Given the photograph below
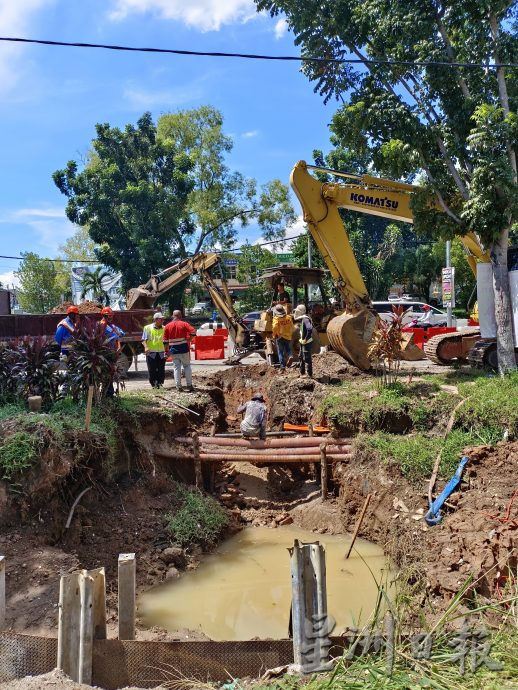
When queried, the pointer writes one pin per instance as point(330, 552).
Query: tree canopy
point(222, 199)
point(452, 128)
point(78, 247)
point(39, 284)
point(132, 197)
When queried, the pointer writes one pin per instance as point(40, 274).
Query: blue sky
point(52, 97)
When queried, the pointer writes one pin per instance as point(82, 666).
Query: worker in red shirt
point(177, 336)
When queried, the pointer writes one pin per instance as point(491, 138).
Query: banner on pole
point(448, 287)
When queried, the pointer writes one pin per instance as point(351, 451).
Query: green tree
point(132, 196)
point(79, 247)
point(38, 291)
point(252, 262)
point(456, 127)
point(93, 282)
point(221, 199)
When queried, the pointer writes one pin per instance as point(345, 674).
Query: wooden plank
point(89, 402)
point(323, 471)
point(69, 620)
point(127, 588)
point(86, 628)
point(99, 602)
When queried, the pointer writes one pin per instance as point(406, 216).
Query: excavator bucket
point(350, 335)
point(139, 298)
point(409, 350)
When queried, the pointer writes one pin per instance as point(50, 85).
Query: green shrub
point(199, 520)
point(18, 453)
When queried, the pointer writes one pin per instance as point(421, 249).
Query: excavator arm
point(351, 333)
point(145, 296)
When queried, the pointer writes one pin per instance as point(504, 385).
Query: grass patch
point(199, 520)
point(398, 407)
point(18, 453)
point(491, 407)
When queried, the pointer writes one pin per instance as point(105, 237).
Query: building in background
point(112, 286)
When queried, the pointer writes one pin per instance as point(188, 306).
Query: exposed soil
point(86, 307)
point(127, 514)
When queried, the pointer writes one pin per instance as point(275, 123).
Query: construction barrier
point(423, 335)
point(209, 347)
point(223, 332)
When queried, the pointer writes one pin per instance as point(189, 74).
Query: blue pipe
point(434, 516)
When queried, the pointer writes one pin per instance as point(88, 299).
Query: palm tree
point(93, 282)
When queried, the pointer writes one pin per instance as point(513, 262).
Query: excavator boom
point(351, 333)
point(145, 296)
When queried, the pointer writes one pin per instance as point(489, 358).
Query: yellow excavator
point(145, 296)
point(351, 333)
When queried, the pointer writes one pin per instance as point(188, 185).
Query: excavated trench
point(126, 512)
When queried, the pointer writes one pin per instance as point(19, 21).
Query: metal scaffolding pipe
point(278, 459)
point(293, 442)
point(330, 450)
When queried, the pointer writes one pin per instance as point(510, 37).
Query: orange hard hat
point(73, 309)
point(107, 310)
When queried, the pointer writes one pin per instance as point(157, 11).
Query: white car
point(200, 307)
point(413, 310)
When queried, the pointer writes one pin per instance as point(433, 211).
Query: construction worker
point(153, 339)
point(254, 422)
point(305, 340)
point(112, 334)
point(66, 331)
point(177, 338)
point(283, 296)
point(282, 332)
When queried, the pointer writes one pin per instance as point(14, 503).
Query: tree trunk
point(503, 312)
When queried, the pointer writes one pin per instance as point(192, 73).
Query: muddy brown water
point(243, 590)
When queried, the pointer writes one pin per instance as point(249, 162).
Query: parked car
point(250, 318)
point(200, 307)
point(413, 310)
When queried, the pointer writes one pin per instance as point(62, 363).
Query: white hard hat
point(158, 315)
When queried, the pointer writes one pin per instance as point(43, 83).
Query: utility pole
point(448, 265)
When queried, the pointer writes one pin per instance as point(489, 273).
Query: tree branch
point(451, 54)
point(502, 89)
point(439, 196)
point(208, 232)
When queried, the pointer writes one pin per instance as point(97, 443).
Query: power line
point(65, 261)
point(252, 56)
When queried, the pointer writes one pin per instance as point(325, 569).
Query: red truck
point(132, 322)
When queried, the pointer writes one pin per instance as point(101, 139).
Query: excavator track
point(444, 348)
point(484, 355)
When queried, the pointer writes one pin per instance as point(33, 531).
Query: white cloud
point(16, 18)
point(204, 15)
point(292, 232)
point(280, 28)
point(251, 134)
point(8, 279)
point(50, 225)
point(141, 98)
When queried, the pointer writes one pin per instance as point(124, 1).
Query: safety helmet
point(426, 307)
point(258, 396)
point(107, 311)
point(72, 309)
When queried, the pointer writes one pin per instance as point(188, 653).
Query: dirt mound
point(477, 538)
point(330, 367)
point(86, 307)
point(55, 680)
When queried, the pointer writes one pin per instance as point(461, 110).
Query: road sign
point(448, 287)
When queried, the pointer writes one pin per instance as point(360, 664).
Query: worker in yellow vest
point(153, 339)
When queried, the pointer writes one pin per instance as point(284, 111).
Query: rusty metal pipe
point(330, 450)
point(269, 459)
point(294, 442)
